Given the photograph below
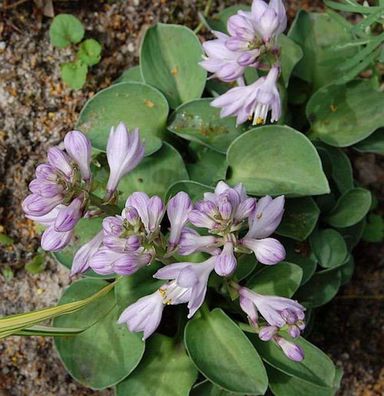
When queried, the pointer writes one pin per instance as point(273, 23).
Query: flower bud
point(78, 146)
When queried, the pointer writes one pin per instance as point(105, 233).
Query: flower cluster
point(61, 190)
point(221, 226)
point(251, 42)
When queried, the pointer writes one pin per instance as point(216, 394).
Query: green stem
point(106, 208)
point(205, 14)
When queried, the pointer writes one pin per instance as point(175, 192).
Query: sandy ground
point(36, 110)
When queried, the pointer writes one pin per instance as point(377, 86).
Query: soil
point(37, 109)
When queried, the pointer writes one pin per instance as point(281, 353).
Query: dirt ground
point(36, 110)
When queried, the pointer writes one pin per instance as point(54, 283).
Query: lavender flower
point(263, 222)
point(69, 215)
point(191, 242)
point(223, 213)
point(189, 283)
point(144, 315)
point(83, 255)
point(178, 210)
point(220, 60)
point(53, 241)
point(277, 311)
point(129, 239)
point(124, 152)
point(58, 182)
point(291, 350)
point(253, 101)
point(78, 146)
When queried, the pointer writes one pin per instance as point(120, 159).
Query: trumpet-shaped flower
point(277, 311)
point(189, 283)
point(83, 255)
point(58, 182)
point(178, 210)
point(124, 152)
point(253, 101)
point(144, 315)
point(220, 60)
point(262, 223)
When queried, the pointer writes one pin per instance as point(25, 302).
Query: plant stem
point(106, 208)
point(205, 14)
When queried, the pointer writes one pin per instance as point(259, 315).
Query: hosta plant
point(204, 219)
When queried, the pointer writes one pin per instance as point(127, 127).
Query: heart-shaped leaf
point(300, 218)
point(166, 370)
point(320, 289)
point(351, 208)
point(329, 247)
point(199, 122)
point(169, 61)
point(222, 352)
point(106, 352)
point(316, 367)
point(90, 52)
point(64, 30)
point(282, 280)
point(276, 160)
point(136, 104)
point(74, 74)
point(344, 114)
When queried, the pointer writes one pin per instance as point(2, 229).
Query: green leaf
point(47, 331)
point(199, 122)
point(246, 263)
point(301, 255)
point(222, 352)
point(373, 143)
point(85, 230)
point(173, 68)
point(194, 189)
point(14, 323)
point(341, 168)
point(37, 264)
point(346, 270)
point(352, 235)
point(320, 289)
point(284, 385)
point(316, 367)
point(64, 30)
point(165, 370)
point(155, 174)
point(329, 247)
point(276, 160)
point(208, 389)
point(374, 230)
point(131, 288)
point(90, 52)
point(300, 218)
point(74, 74)
point(131, 74)
point(291, 54)
point(136, 104)
point(106, 352)
point(351, 208)
point(219, 21)
point(209, 166)
point(317, 34)
point(282, 280)
point(344, 114)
